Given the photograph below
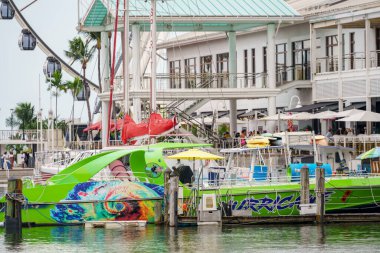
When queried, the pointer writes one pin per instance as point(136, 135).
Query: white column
point(313, 60)
point(126, 57)
point(232, 70)
point(104, 56)
point(153, 31)
point(233, 117)
point(340, 48)
point(368, 66)
point(367, 44)
point(271, 70)
point(136, 71)
point(340, 67)
point(232, 66)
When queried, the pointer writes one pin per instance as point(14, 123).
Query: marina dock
point(299, 219)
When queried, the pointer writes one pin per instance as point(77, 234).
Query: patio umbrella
point(325, 115)
point(195, 154)
point(280, 116)
point(373, 153)
point(301, 116)
point(347, 113)
point(366, 116)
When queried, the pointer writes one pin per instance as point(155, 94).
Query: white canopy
point(301, 116)
point(347, 113)
point(282, 116)
point(223, 120)
point(363, 116)
point(325, 115)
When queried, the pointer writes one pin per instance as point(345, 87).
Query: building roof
point(195, 15)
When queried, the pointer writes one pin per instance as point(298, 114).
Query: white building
point(323, 52)
point(331, 56)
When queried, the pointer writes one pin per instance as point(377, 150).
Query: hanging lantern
point(81, 95)
point(51, 65)
point(6, 10)
point(26, 40)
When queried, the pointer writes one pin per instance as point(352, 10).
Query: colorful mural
point(108, 207)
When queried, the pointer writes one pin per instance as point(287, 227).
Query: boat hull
point(122, 201)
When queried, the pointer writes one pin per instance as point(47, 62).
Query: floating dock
point(115, 224)
point(299, 219)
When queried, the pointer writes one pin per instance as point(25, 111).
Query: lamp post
point(298, 105)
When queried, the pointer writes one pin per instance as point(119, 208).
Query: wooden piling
point(13, 221)
point(320, 192)
point(157, 212)
point(173, 202)
point(305, 196)
point(166, 195)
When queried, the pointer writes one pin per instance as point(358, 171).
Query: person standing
point(11, 160)
point(26, 160)
point(6, 160)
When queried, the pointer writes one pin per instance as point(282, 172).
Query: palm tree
point(25, 114)
point(82, 52)
point(75, 87)
point(55, 80)
point(12, 123)
point(96, 36)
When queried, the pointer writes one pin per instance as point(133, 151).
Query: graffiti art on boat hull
point(272, 205)
point(114, 200)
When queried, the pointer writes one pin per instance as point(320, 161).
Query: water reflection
point(290, 238)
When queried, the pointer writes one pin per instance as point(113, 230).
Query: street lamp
point(298, 105)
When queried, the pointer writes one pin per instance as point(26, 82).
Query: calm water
point(306, 238)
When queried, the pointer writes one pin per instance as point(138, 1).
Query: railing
point(351, 61)
point(361, 143)
point(195, 126)
point(375, 58)
point(217, 80)
point(27, 135)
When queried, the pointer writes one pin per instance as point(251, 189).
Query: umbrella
point(276, 117)
point(195, 154)
point(347, 113)
point(301, 116)
point(325, 115)
point(373, 153)
point(363, 116)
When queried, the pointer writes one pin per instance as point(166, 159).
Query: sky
point(21, 71)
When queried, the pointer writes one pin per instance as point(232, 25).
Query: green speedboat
point(74, 197)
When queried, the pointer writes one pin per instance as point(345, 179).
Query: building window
point(332, 52)
point(222, 69)
point(190, 73)
point(206, 71)
point(175, 74)
point(253, 66)
point(301, 60)
point(281, 50)
point(245, 68)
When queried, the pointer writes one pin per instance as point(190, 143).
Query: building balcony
point(214, 86)
point(356, 83)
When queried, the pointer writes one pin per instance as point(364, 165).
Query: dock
point(115, 224)
point(296, 219)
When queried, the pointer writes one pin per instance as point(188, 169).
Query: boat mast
point(126, 57)
point(153, 31)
